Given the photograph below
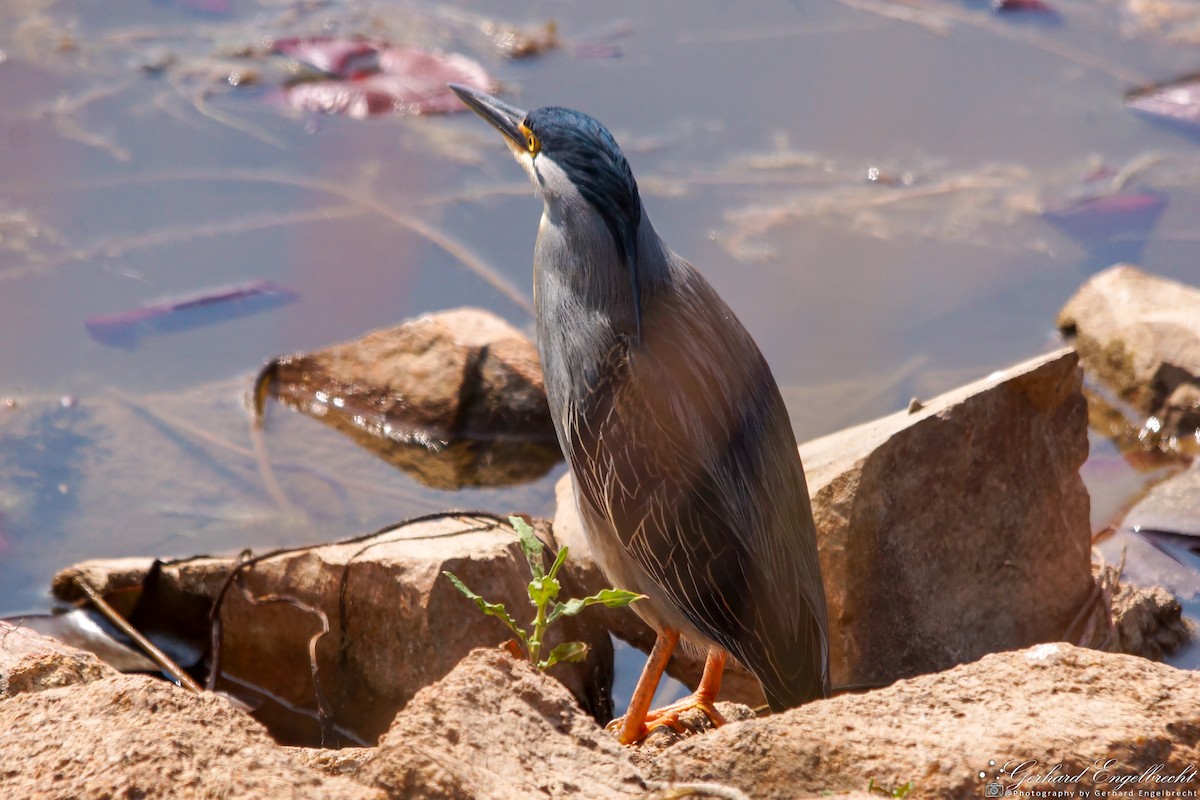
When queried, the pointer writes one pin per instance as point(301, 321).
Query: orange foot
point(667, 717)
point(640, 720)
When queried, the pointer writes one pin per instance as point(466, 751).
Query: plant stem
point(539, 630)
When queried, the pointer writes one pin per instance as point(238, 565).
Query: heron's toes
point(669, 716)
point(624, 733)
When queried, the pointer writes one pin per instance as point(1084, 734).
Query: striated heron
point(686, 472)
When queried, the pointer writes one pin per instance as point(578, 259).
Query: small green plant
point(543, 595)
point(899, 791)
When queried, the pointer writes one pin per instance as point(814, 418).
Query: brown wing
point(689, 452)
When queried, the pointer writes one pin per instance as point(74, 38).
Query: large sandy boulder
point(496, 728)
point(957, 529)
point(1105, 721)
point(129, 736)
point(30, 662)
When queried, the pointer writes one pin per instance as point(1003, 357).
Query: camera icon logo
point(991, 777)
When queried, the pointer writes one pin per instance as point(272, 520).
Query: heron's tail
point(806, 675)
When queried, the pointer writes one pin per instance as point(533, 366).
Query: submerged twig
point(266, 471)
point(246, 560)
point(1081, 630)
point(369, 202)
point(163, 237)
point(157, 656)
point(941, 18)
point(324, 716)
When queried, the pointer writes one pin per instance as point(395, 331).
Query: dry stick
point(156, 655)
point(246, 560)
point(1084, 613)
point(186, 427)
point(453, 246)
point(266, 471)
point(200, 103)
point(938, 19)
point(323, 714)
point(61, 114)
point(1102, 595)
point(246, 223)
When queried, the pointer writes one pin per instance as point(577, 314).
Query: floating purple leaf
point(187, 312)
point(341, 58)
point(1009, 6)
point(371, 78)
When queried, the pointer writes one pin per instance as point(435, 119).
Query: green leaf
point(496, 610)
point(530, 544)
point(542, 591)
point(567, 651)
point(899, 791)
point(612, 598)
point(558, 562)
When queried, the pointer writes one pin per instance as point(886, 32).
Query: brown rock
point(455, 398)
point(1148, 621)
point(30, 662)
point(1122, 617)
point(496, 728)
point(958, 530)
point(109, 575)
point(1140, 335)
point(1054, 705)
point(128, 736)
point(406, 626)
point(945, 533)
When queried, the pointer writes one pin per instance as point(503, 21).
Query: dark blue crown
point(595, 164)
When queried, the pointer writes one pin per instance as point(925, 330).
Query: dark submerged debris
point(1128, 214)
point(188, 312)
point(514, 42)
point(1011, 6)
point(1177, 100)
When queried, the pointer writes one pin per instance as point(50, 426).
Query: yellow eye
point(532, 143)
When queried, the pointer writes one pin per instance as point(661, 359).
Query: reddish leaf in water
point(188, 312)
point(341, 58)
point(1178, 100)
point(1022, 5)
point(372, 79)
point(1101, 218)
point(422, 75)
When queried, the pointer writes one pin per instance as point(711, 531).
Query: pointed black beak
point(503, 117)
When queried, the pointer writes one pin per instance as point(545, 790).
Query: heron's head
point(571, 159)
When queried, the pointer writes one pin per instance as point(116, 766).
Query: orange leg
point(639, 720)
point(633, 724)
point(703, 698)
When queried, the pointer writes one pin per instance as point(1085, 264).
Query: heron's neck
point(584, 294)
